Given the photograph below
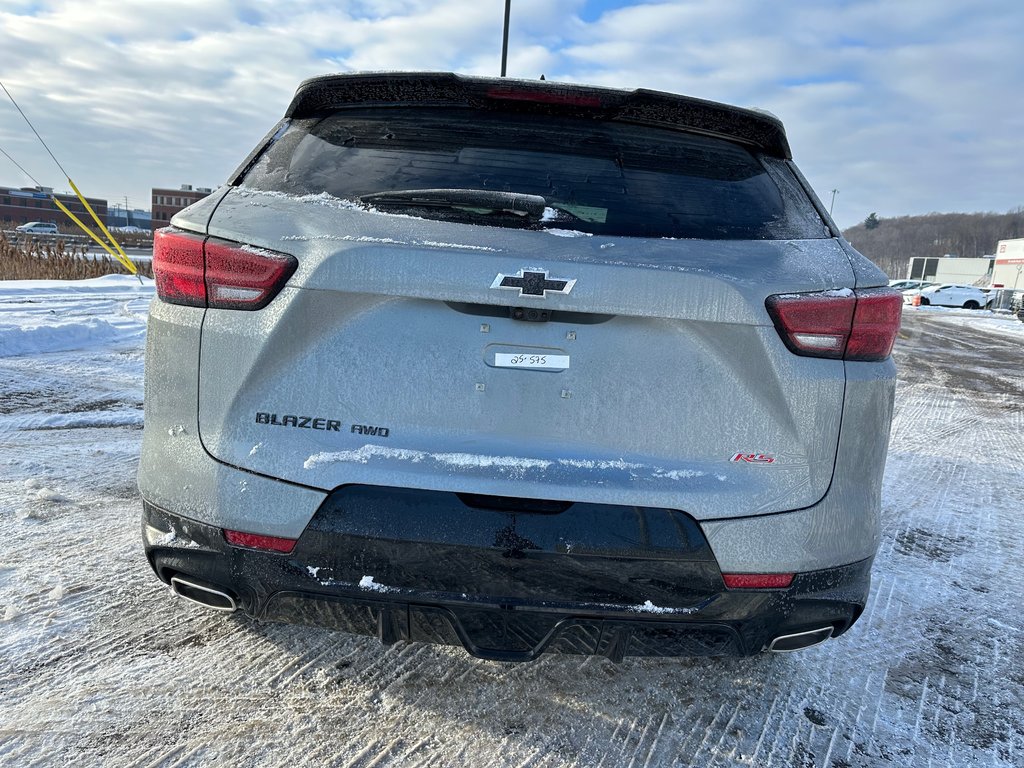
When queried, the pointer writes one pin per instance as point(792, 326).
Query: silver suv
point(523, 367)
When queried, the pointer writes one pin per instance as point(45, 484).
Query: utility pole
point(127, 218)
point(832, 204)
point(504, 37)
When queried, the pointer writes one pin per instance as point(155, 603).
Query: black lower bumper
point(505, 582)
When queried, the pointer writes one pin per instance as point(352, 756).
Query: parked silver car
point(522, 367)
point(38, 228)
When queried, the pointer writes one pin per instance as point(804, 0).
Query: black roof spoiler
point(655, 108)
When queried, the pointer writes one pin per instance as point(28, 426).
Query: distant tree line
point(891, 243)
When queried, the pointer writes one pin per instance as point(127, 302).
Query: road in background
point(99, 664)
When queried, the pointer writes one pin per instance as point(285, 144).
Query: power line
point(45, 146)
point(119, 254)
point(19, 167)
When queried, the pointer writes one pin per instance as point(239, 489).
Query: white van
point(38, 228)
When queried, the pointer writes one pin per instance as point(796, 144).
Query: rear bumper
point(505, 584)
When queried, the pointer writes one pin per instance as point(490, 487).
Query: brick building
point(20, 205)
point(167, 202)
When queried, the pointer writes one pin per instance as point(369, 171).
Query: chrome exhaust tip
point(208, 597)
point(800, 640)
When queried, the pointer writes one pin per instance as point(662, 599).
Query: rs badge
point(754, 458)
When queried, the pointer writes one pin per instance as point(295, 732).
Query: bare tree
point(891, 243)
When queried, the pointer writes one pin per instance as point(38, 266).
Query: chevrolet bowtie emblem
point(533, 283)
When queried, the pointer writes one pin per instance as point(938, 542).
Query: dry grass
point(26, 260)
point(134, 239)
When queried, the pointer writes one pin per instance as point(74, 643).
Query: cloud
point(904, 107)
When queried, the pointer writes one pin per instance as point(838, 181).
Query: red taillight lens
point(255, 541)
point(208, 272)
point(240, 277)
point(843, 324)
point(876, 321)
point(814, 324)
point(757, 580)
point(178, 267)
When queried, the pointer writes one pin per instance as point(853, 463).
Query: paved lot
point(100, 665)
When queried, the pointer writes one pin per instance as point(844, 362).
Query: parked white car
point(950, 295)
point(38, 228)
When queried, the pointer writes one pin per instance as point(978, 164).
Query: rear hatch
point(595, 331)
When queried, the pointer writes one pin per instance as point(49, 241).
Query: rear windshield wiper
point(482, 201)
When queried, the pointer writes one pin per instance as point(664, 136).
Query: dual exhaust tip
point(800, 640)
point(203, 594)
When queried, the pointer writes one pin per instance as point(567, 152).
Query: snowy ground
point(1002, 323)
point(100, 665)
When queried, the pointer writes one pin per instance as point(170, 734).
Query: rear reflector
point(757, 580)
point(843, 324)
point(198, 271)
point(255, 541)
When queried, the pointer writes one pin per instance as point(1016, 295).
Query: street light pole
point(832, 204)
point(504, 37)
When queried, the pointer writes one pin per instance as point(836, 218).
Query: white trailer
point(1008, 271)
point(950, 269)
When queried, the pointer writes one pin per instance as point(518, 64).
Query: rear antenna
point(504, 37)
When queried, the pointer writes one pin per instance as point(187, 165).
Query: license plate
point(530, 360)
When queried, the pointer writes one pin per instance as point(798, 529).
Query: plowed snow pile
point(100, 665)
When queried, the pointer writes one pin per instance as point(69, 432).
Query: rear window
point(602, 178)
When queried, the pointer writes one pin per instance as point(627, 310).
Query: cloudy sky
point(904, 106)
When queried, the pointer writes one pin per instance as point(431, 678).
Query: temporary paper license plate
point(525, 360)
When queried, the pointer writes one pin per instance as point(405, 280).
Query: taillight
point(240, 277)
point(178, 267)
point(876, 321)
point(257, 541)
point(757, 580)
point(200, 271)
point(842, 324)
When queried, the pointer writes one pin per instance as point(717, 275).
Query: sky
point(903, 106)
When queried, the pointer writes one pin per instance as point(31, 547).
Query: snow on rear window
point(595, 177)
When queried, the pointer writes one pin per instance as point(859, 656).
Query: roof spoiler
point(319, 95)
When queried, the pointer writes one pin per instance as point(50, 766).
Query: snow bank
point(42, 316)
point(57, 336)
point(104, 284)
point(121, 417)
